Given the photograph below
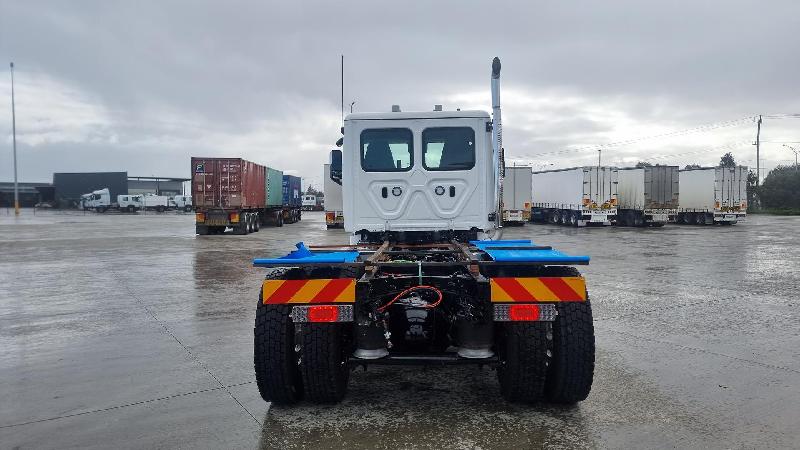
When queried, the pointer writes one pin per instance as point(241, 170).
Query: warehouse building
point(30, 194)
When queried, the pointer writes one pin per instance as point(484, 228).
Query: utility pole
point(14, 139)
point(342, 79)
point(758, 149)
point(599, 153)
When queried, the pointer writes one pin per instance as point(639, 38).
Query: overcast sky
point(142, 86)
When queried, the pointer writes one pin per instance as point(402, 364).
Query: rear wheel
point(160, 208)
point(523, 350)
point(131, 208)
point(279, 220)
point(700, 219)
point(187, 208)
point(323, 361)
point(256, 222)
point(274, 357)
point(569, 379)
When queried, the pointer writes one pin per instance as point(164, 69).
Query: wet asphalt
point(128, 331)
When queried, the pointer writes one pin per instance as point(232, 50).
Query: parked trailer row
point(636, 196)
point(242, 195)
point(517, 195)
point(577, 196)
point(334, 208)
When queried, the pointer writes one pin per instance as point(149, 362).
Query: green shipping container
point(274, 187)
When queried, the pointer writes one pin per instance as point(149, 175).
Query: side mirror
point(336, 166)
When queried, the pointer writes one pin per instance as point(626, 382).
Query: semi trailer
point(238, 194)
point(647, 196)
point(334, 215)
point(712, 195)
point(425, 280)
point(577, 196)
point(517, 195)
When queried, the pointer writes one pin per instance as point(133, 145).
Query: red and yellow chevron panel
point(338, 290)
point(541, 289)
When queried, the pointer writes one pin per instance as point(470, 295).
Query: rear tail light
point(322, 313)
point(524, 312)
point(200, 217)
point(330, 217)
point(234, 217)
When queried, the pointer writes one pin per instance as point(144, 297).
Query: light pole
point(14, 140)
point(795, 155)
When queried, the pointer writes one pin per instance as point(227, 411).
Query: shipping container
point(577, 196)
point(713, 195)
point(517, 195)
point(228, 183)
point(334, 207)
point(647, 196)
point(233, 193)
point(274, 187)
point(292, 191)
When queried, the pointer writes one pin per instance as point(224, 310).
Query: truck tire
point(160, 208)
point(131, 209)
point(187, 208)
point(522, 349)
point(274, 356)
point(279, 220)
point(700, 219)
point(256, 223)
point(101, 209)
point(323, 362)
point(569, 379)
point(201, 230)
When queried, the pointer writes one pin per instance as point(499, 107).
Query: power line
point(700, 128)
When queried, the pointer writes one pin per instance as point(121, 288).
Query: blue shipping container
point(292, 191)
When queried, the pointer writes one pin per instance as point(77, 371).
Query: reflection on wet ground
point(131, 330)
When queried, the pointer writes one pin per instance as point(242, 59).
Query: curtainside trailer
point(578, 196)
point(517, 195)
point(712, 195)
point(647, 196)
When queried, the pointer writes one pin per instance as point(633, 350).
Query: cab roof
point(472, 114)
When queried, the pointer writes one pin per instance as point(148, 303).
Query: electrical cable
point(412, 289)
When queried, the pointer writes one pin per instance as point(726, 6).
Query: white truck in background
point(577, 196)
point(334, 214)
point(647, 196)
point(181, 202)
point(517, 195)
point(712, 195)
point(100, 201)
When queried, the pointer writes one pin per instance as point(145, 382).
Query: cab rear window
point(387, 150)
point(448, 148)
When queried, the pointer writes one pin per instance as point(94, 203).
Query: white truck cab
point(419, 172)
point(99, 200)
point(183, 202)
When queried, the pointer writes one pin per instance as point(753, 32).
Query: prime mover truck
point(712, 195)
point(517, 195)
point(647, 196)
point(424, 281)
point(578, 196)
point(238, 194)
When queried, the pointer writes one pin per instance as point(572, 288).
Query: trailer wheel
point(279, 219)
point(323, 362)
point(256, 222)
point(187, 208)
point(556, 217)
point(523, 349)
point(569, 379)
point(274, 356)
point(160, 208)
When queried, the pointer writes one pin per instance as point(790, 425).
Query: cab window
point(448, 148)
point(387, 150)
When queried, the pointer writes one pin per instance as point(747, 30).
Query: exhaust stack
point(497, 140)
